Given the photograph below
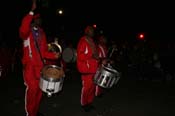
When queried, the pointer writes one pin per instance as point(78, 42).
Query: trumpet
point(54, 47)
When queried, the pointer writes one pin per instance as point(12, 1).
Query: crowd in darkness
point(10, 51)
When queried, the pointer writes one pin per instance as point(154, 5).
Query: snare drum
point(52, 78)
point(106, 77)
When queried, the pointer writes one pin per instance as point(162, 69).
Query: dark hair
point(88, 28)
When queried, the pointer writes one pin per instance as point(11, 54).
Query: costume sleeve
point(24, 29)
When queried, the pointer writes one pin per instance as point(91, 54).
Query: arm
point(24, 29)
point(82, 51)
point(47, 54)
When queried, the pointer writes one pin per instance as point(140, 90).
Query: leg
point(98, 91)
point(33, 93)
point(88, 90)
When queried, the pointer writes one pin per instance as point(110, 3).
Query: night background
point(118, 19)
point(145, 89)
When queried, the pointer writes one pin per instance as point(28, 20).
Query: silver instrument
point(106, 76)
point(52, 78)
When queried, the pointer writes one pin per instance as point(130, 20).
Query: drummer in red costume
point(34, 45)
point(87, 64)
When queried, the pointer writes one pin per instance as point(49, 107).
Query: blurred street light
point(59, 12)
point(141, 36)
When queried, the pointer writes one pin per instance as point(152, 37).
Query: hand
point(111, 62)
point(104, 62)
point(95, 56)
point(57, 55)
point(33, 5)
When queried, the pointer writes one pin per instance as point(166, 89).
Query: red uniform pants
point(88, 89)
point(33, 92)
point(98, 90)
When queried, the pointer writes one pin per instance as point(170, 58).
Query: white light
point(60, 12)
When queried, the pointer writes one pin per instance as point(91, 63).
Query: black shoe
point(100, 96)
point(88, 108)
point(40, 114)
point(92, 107)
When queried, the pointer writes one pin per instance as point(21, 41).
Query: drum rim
point(50, 79)
point(51, 65)
point(110, 70)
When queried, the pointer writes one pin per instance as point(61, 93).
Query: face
point(90, 32)
point(37, 22)
point(103, 40)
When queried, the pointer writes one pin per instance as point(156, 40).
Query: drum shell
point(106, 77)
point(51, 84)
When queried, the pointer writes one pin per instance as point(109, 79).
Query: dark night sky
point(114, 17)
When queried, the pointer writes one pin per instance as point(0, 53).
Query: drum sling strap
point(37, 46)
point(94, 50)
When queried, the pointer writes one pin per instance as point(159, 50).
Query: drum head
point(52, 72)
point(69, 55)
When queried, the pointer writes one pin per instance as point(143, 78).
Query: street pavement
point(129, 97)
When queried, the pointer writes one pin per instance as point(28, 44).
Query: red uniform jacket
point(30, 52)
point(85, 62)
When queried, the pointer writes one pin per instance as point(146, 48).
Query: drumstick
point(113, 49)
point(110, 55)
